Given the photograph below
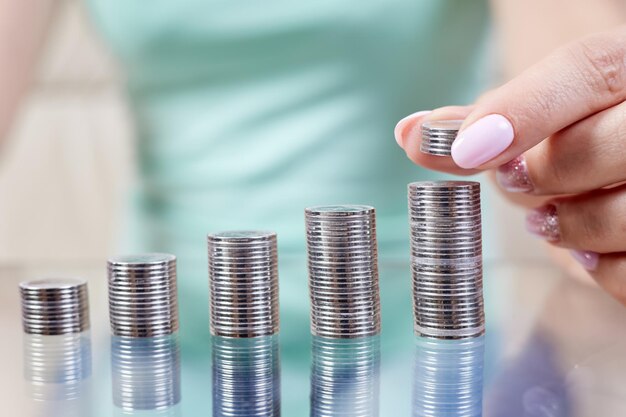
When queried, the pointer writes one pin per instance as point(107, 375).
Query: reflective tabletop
point(553, 347)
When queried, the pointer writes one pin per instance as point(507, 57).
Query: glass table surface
point(554, 347)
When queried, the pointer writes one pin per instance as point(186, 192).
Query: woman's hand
point(558, 131)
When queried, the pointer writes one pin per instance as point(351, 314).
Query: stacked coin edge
point(243, 284)
point(343, 271)
point(143, 295)
point(54, 306)
point(446, 258)
point(438, 136)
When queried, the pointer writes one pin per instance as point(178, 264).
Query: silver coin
point(243, 282)
point(446, 257)
point(143, 295)
point(343, 270)
point(54, 306)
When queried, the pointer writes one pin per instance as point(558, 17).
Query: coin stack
point(243, 281)
point(57, 366)
point(145, 372)
point(345, 377)
point(54, 306)
point(448, 378)
point(446, 259)
point(246, 377)
point(438, 136)
point(143, 300)
point(343, 271)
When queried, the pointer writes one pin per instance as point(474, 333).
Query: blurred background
point(69, 162)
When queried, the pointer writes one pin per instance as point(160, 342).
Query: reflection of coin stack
point(448, 377)
point(243, 281)
point(345, 377)
point(54, 306)
point(438, 136)
point(343, 271)
point(446, 258)
point(146, 372)
point(56, 367)
point(143, 295)
point(246, 377)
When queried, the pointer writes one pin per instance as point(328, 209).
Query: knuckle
point(579, 226)
point(561, 163)
point(603, 63)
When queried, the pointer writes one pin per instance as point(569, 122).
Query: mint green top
point(248, 111)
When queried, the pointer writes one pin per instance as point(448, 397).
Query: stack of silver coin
point(57, 366)
point(446, 258)
point(438, 136)
point(143, 298)
point(343, 271)
point(243, 283)
point(246, 377)
point(145, 372)
point(345, 377)
point(54, 306)
point(448, 378)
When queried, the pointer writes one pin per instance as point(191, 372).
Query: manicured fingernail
point(544, 222)
point(589, 260)
point(401, 132)
point(482, 141)
point(513, 176)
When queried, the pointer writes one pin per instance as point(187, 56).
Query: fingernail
point(482, 141)
point(399, 131)
point(544, 222)
point(588, 259)
point(513, 176)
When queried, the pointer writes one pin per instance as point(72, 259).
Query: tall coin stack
point(143, 298)
point(246, 377)
point(438, 136)
point(145, 372)
point(446, 259)
point(243, 281)
point(343, 271)
point(345, 377)
point(54, 306)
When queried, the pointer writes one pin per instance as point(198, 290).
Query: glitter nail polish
point(513, 176)
point(544, 222)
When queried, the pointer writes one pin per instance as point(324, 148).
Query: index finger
point(574, 82)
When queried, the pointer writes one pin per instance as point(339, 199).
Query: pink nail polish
point(513, 176)
point(399, 132)
point(589, 260)
point(482, 141)
point(544, 222)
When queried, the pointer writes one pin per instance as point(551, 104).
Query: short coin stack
point(345, 377)
point(446, 258)
point(54, 306)
point(243, 283)
point(438, 136)
point(343, 271)
point(143, 298)
point(246, 377)
point(145, 372)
